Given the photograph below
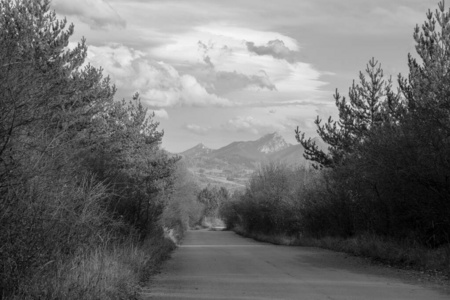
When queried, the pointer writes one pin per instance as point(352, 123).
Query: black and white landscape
point(211, 149)
point(233, 164)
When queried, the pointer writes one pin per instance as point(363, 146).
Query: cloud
point(161, 113)
point(281, 118)
point(276, 49)
point(224, 82)
point(197, 129)
point(97, 14)
point(219, 58)
point(203, 49)
point(221, 46)
point(159, 84)
point(251, 125)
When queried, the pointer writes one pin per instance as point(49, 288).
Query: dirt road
point(223, 265)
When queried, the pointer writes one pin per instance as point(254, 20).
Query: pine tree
point(370, 103)
point(46, 96)
point(427, 88)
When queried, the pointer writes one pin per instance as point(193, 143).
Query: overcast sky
point(217, 71)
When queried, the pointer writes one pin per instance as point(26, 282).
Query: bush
point(114, 271)
point(269, 204)
point(79, 172)
point(389, 152)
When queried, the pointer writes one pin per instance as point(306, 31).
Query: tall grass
point(58, 242)
point(107, 272)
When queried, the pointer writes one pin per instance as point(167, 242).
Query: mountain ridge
point(272, 139)
point(234, 163)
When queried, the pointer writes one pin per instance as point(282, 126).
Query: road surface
point(223, 265)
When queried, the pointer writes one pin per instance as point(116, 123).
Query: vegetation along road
point(223, 265)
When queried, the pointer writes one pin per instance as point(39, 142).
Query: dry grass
point(389, 252)
point(115, 272)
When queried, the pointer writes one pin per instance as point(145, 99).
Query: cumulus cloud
point(161, 113)
point(276, 49)
point(224, 82)
point(159, 84)
point(96, 13)
point(220, 59)
point(197, 129)
point(170, 89)
point(224, 48)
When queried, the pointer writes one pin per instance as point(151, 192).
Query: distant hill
point(292, 155)
point(233, 164)
point(251, 153)
point(197, 151)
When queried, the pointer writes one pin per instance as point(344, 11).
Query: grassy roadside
point(114, 272)
point(404, 255)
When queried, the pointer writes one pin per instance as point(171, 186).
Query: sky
point(217, 71)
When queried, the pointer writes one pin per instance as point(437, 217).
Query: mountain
point(293, 155)
point(271, 143)
point(251, 153)
point(233, 164)
point(196, 151)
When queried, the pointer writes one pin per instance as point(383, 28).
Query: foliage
point(182, 210)
point(229, 211)
point(390, 152)
point(212, 198)
point(387, 169)
point(371, 104)
point(122, 150)
point(405, 166)
point(79, 172)
point(269, 203)
point(114, 272)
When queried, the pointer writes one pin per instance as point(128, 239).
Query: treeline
point(85, 189)
point(272, 203)
point(387, 168)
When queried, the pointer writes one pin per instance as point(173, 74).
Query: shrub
point(78, 170)
point(389, 152)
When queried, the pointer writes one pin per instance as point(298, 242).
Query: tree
point(78, 170)
point(123, 150)
point(50, 206)
point(181, 209)
point(390, 151)
point(212, 199)
point(371, 103)
point(417, 153)
point(427, 89)
point(44, 93)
